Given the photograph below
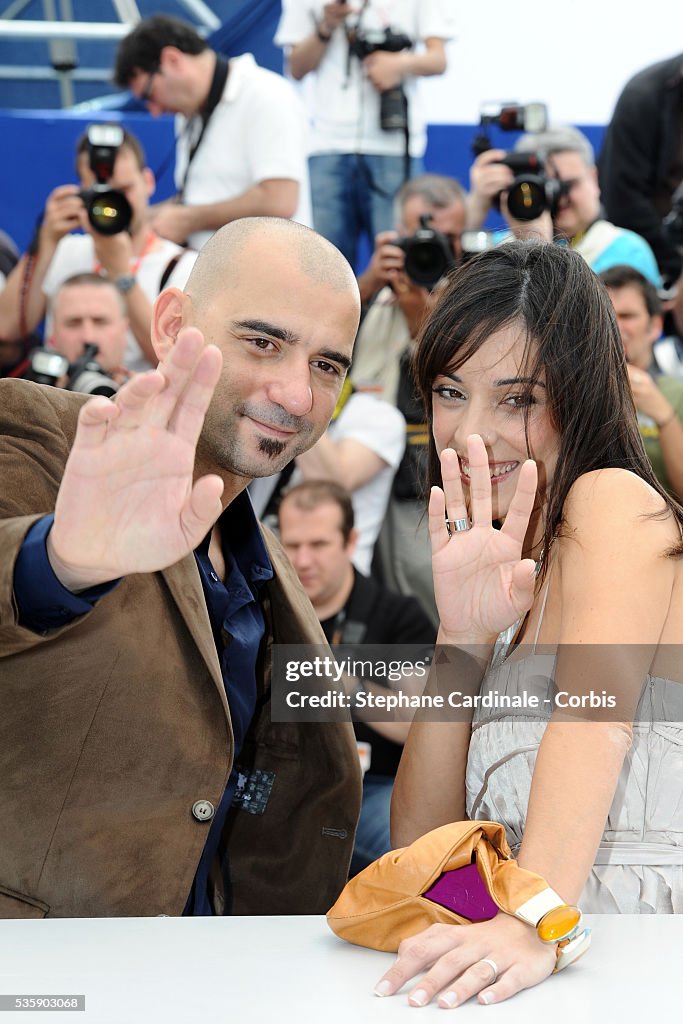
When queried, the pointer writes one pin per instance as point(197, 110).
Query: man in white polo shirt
point(241, 134)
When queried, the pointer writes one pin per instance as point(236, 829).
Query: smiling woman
point(548, 528)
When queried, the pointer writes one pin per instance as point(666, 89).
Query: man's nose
point(301, 558)
point(292, 391)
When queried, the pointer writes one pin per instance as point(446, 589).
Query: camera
point(428, 254)
point(85, 375)
point(672, 224)
point(532, 191)
point(393, 106)
point(109, 212)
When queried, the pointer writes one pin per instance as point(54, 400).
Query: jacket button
point(203, 810)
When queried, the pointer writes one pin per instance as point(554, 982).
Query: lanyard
point(220, 77)
point(150, 242)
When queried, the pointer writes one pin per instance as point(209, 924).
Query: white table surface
point(206, 970)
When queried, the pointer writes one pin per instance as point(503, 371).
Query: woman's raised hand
point(481, 582)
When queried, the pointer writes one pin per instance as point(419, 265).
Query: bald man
point(140, 773)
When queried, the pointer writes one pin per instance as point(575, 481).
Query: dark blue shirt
point(236, 620)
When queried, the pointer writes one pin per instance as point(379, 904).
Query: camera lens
point(527, 197)
point(108, 210)
point(93, 382)
point(426, 263)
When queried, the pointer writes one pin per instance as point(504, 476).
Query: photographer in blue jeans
point(369, 135)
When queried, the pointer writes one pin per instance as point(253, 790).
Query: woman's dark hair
point(572, 341)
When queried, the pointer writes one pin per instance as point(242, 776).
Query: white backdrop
point(573, 54)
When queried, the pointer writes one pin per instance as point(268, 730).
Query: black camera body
point(532, 192)
point(85, 375)
point(108, 210)
point(393, 107)
point(428, 254)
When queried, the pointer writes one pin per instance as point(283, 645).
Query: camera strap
point(220, 77)
point(374, 187)
point(171, 265)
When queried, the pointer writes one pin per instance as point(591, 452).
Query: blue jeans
point(372, 834)
point(353, 196)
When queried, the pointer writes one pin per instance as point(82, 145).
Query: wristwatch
point(557, 922)
point(124, 282)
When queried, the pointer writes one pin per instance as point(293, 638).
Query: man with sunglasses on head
point(240, 134)
point(576, 216)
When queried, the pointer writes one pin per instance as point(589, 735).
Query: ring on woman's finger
point(457, 526)
point(493, 965)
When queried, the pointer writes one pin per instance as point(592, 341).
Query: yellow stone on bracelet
point(557, 924)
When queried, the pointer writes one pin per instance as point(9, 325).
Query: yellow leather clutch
point(407, 890)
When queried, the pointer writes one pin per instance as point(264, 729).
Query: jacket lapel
point(185, 585)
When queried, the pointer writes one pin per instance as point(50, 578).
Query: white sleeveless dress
point(639, 864)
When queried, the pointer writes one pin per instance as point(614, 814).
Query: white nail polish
point(448, 1000)
point(487, 997)
point(419, 998)
point(383, 989)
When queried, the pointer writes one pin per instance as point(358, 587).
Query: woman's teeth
point(498, 470)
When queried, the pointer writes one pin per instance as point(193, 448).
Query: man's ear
point(169, 313)
point(170, 58)
point(150, 181)
point(352, 542)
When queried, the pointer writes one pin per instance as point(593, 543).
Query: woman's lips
point(498, 471)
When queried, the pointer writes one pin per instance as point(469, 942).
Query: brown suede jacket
point(113, 726)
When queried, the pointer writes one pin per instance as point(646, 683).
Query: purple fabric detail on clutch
point(463, 892)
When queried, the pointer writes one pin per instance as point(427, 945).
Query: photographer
point(89, 310)
point(136, 260)
point(573, 212)
point(241, 133)
point(381, 365)
point(357, 165)
point(657, 396)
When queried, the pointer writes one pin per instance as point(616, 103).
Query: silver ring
point(494, 967)
point(457, 526)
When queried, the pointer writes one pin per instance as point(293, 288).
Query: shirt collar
point(240, 69)
point(242, 539)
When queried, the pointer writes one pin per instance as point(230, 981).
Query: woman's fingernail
point(486, 998)
point(418, 998)
point(383, 989)
point(448, 1000)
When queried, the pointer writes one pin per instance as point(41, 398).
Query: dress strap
point(540, 617)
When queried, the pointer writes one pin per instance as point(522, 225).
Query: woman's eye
point(520, 401)
point(448, 392)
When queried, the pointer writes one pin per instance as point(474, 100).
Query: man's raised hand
point(127, 502)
